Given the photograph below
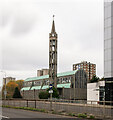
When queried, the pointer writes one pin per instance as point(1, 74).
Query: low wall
point(67, 93)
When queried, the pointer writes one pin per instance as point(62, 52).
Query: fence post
point(51, 101)
point(27, 103)
point(21, 103)
point(103, 109)
point(4, 102)
point(14, 103)
point(35, 103)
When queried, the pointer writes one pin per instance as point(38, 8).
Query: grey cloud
point(23, 24)
point(26, 44)
point(22, 17)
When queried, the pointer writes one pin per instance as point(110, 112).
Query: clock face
point(53, 35)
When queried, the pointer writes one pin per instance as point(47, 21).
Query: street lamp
point(50, 91)
point(5, 92)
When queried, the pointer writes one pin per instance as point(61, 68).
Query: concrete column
point(74, 85)
point(23, 93)
point(70, 92)
point(63, 92)
point(34, 93)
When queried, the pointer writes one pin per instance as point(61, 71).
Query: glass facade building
point(108, 39)
point(108, 49)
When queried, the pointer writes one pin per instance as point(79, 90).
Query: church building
point(70, 85)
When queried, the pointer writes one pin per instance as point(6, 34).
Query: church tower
point(53, 56)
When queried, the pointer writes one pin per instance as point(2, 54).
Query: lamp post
point(5, 92)
point(50, 92)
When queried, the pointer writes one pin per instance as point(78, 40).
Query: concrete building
point(7, 79)
point(42, 72)
point(108, 49)
point(53, 56)
point(90, 68)
point(70, 85)
point(96, 91)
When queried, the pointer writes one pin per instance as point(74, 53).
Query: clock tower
point(53, 56)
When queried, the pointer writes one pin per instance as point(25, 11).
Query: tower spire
point(53, 56)
point(53, 26)
point(53, 17)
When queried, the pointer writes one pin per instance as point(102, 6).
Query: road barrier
point(99, 109)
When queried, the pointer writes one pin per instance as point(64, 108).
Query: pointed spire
point(53, 26)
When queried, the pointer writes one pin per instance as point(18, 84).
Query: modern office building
point(108, 49)
point(96, 92)
point(90, 68)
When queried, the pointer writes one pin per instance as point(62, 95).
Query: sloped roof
point(25, 88)
point(66, 85)
point(47, 76)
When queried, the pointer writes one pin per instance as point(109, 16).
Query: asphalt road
point(95, 109)
point(8, 113)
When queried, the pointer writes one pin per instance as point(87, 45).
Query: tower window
point(53, 42)
point(53, 48)
point(52, 35)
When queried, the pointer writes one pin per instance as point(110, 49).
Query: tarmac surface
point(19, 114)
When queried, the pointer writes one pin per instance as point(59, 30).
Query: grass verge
point(53, 112)
point(25, 108)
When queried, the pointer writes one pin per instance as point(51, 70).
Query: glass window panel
point(107, 22)
point(107, 11)
point(107, 33)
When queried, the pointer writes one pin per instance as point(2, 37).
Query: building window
point(102, 93)
point(53, 42)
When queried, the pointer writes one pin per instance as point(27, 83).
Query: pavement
point(19, 114)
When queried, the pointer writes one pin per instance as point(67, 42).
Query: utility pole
point(50, 92)
point(5, 92)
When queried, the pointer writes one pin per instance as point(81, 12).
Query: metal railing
point(100, 109)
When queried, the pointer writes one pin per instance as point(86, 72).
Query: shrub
point(54, 112)
point(82, 115)
point(71, 114)
point(55, 93)
point(17, 93)
point(94, 79)
point(9, 96)
point(91, 117)
point(44, 95)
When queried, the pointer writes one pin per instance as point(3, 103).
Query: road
point(94, 109)
point(8, 113)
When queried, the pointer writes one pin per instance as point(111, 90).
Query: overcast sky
point(24, 33)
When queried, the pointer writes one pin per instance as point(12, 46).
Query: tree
point(46, 95)
point(20, 83)
point(102, 79)
point(94, 79)
point(43, 95)
point(3, 88)
point(55, 93)
point(10, 87)
point(17, 93)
